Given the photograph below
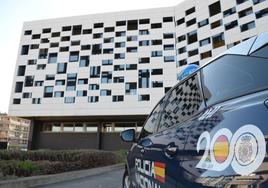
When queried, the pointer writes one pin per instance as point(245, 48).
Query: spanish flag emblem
point(159, 170)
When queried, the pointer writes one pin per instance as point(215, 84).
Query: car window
point(262, 52)
point(152, 121)
point(184, 101)
point(232, 76)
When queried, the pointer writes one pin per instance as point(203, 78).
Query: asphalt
point(110, 179)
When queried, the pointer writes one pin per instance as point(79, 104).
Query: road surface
point(111, 179)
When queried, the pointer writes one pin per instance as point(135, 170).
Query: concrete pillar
point(99, 124)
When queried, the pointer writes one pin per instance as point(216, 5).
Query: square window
point(192, 37)
point(74, 56)
point(52, 58)
point(218, 40)
point(214, 8)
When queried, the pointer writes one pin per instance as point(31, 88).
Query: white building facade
point(101, 73)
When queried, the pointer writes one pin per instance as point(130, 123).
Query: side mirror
point(128, 135)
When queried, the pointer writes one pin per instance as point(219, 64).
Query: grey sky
point(14, 12)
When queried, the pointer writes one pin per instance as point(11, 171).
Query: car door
point(137, 152)
point(163, 151)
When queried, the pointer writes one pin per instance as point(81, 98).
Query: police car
point(210, 130)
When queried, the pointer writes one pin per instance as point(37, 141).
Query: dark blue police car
point(211, 129)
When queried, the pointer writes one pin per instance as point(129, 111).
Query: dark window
point(93, 99)
point(144, 78)
point(18, 87)
point(132, 49)
point(38, 83)
point(60, 82)
point(184, 102)
point(180, 21)
point(66, 28)
point(48, 92)
point(108, 51)
point(77, 30)
point(144, 21)
point(205, 55)
point(55, 34)
point(132, 38)
point(108, 40)
point(64, 49)
point(193, 52)
point(36, 101)
point(131, 67)
point(46, 30)
point(191, 22)
point(120, 34)
point(169, 58)
point(43, 53)
point(109, 29)
point(229, 12)
point(45, 40)
point(204, 42)
point(36, 36)
point(74, 56)
point(82, 81)
point(245, 75)
point(118, 98)
point(156, 42)
point(71, 82)
point(26, 95)
point(132, 25)
point(84, 61)
point(168, 35)
point(65, 38)
point(61, 68)
point(144, 97)
point(119, 67)
point(50, 77)
point(157, 71)
point(168, 19)
point(190, 11)
point(85, 47)
point(81, 93)
point(95, 72)
point(120, 44)
point(151, 123)
point(182, 62)
point(98, 25)
point(144, 32)
point(144, 43)
point(34, 46)
point(94, 87)
point(192, 37)
point(247, 26)
point(144, 60)
point(218, 40)
point(54, 45)
point(262, 13)
point(119, 79)
point(182, 50)
point(120, 23)
point(240, 1)
point(105, 92)
point(169, 47)
point(245, 12)
point(231, 25)
point(119, 56)
point(52, 58)
point(87, 31)
point(41, 67)
point(157, 84)
point(96, 49)
point(157, 53)
point(216, 24)
point(59, 94)
point(27, 32)
point(156, 25)
point(21, 70)
point(24, 50)
point(16, 101)
point(75, 43)
point(215, 8)
point(106, 77)
point(97, 35)
point(131, 88)
point(181, 38)
point(32, 61)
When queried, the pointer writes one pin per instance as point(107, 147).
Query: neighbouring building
point(83, 79)
point(14, 132)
